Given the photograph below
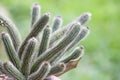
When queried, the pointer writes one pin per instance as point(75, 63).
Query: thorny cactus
point(40, 55)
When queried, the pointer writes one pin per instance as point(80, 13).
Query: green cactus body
point(27, 56)
point(10, 50)
point(37, 28)
point(57, 23)
point(41, 73)
point(51, 53)
point(35, 13)
point(45, 40)
point(58, 68)
point(12, 30)
point(13, 71)
point(37, 58)
point(77, 53)
point(82, 34)
point(82, 19)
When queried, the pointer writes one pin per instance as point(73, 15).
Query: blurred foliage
point(102, 59)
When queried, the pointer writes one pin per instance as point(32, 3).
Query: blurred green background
point(102, 58)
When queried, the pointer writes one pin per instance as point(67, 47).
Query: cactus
point(39, 58)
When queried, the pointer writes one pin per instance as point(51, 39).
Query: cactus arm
point(35, 54)
point(62, 52)
point(57, 69)
point(45, 40)
point(35, 13)
point(37, 28)
point(13, 71)
point(27, 56)
point(10, 50)
point(84, 18)
point(57, 23)
point(57, 35)
point(77, 53)
point(51, 53)
point(83, 33)
point(12, 30)
point(41, 73)
point(69, 66)
point(72, 60)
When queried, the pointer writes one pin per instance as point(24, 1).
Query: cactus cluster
point(41, 53)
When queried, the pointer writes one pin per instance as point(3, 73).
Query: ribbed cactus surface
point(41, 53)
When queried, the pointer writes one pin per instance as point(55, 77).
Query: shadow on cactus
point(40, 55)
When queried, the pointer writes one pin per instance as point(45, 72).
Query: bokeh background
point(102, 47)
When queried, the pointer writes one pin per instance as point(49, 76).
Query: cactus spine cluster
point(37, 57)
